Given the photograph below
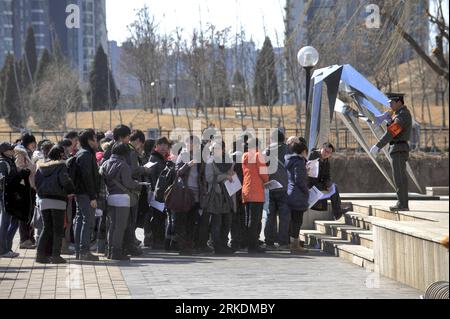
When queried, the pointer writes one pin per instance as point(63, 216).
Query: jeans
point(52, 233)
point(119, 221)
point(84, 224)
point(296, 223)
point(253, 216)
point(220, 229)
point(184, 228)
point(8, 228)
point(278, 207)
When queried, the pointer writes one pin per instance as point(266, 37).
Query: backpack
point(72, 168)
point(165, 179)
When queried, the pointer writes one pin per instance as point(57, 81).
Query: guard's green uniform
point(398, 136)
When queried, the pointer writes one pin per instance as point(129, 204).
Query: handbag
point(178, 198)
point(134, 198)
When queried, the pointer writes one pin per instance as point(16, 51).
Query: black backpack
point(166, 179)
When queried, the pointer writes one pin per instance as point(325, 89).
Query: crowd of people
point(87, 194)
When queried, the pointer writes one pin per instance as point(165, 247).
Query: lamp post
point(308, 57)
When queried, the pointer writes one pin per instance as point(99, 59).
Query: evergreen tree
point(44, 63)
point(98, 95)
point(14, 114)
point(29, 62)
point(239, 87)
point(265, 89)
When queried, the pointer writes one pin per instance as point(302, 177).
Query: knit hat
point(27, 139)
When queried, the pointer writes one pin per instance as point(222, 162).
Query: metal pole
point(308, 84)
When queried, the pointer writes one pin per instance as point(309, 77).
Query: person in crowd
point(68, 147)
point(255, 176)
point(238, 233)
point(53, 186)
point(74, 138)
point(160, 157)
point(38, 154)
point(298, 193)
point(87, 188)
point(191, 168)
point(149, 146)
point(220, 204)
point(278, 207)
point(323, 181)
point(23, 153)
point(41, 156)
point(120, 184)
point(10, 183)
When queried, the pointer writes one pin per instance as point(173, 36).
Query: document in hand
point(234, 186)
point(272, 185)
point(313, 168)
point(316, 195)
point(153, 203)
point(149, 165)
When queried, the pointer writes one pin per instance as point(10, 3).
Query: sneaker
point(28, 244)
point(10, 254)
point(88, 257)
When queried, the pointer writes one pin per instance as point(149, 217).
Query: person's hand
point(374, 150)
point(191, 164)
point(230, 178)
point(71, 196)
point(94, 204)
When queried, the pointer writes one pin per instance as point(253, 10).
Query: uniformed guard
point(398, 136)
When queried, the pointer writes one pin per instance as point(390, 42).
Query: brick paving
point(22, 278)
point(161, 275)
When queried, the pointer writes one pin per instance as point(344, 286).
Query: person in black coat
point(53, 186)
point(87, 186)
point(323, 181)
point(10, 189)
point(298, 192)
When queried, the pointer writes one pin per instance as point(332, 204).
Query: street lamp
point(308, 57)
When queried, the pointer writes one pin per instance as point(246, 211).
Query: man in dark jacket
point(323, 181)
point(278, 206)
point(10, 179)
point(87, 186)
point(155, 232)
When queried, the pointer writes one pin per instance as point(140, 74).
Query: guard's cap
point(395, 96)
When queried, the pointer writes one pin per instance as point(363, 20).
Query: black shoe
point(88, 257)
point(134, 251)
point(58, 260)
point(398, 209)
point(43, 260)
point(258, 250)
point(341, 213)
point(119, 256)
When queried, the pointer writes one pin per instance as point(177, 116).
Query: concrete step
point(324, 226)
point(358, 220)
point(366, 240)
point(305, 233)
point(359, 255)
point(437, 191)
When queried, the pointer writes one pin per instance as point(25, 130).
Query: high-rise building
point(48, 19)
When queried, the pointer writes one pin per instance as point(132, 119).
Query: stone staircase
point(350, 238)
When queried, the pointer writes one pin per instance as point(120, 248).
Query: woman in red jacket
point(253, 193)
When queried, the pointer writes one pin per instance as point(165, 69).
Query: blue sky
point(251, 14)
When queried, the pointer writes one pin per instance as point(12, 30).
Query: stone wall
point(356, 173)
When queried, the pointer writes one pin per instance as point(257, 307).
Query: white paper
point(153, 203)
point(234, 186)
point(149, 165)
point(316, 195)
point(313, 168)
point(272, 185)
